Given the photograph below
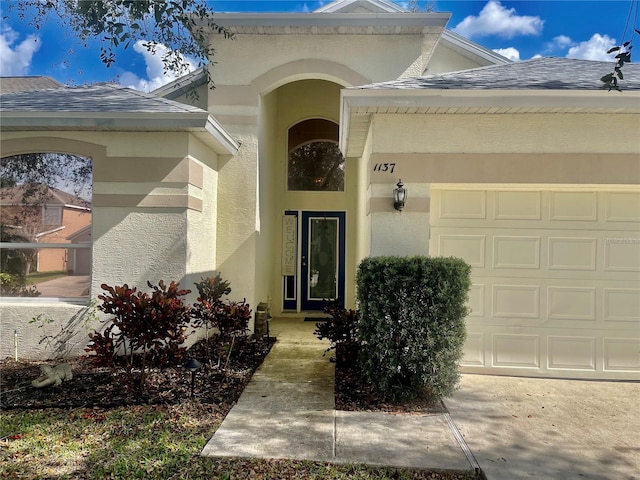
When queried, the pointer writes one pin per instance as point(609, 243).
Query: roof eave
point(202, 124)
point(472, 48)
point(366, 102)
point(278, 20)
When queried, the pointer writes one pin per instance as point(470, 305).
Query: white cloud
point(15, 60)
point(509, 52)
point(561, 41)
point(593, 49)
point(494, 19)
point(156, 76)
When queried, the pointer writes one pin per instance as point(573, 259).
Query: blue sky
point(517, 29)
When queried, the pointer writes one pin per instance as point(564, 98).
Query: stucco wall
point(154, 206)
point(376, 57)
point(505, 133)
point(445, 59)
point(17, 319)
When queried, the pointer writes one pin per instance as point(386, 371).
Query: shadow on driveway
point(546, 428)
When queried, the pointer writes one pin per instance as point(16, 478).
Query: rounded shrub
point(411, 325)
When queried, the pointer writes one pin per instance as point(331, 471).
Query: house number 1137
point(384, 167)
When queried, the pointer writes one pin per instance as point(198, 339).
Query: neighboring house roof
point(78, 233)
point(49, 196)
point(109, 107)
point(27, 84)
point(541, 85)
point(545, 73)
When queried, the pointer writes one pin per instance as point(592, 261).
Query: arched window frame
point(306, 138)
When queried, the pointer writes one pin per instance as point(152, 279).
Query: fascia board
point(224, 143)
point(181, 84)
point(473, 48)
point(327, 20)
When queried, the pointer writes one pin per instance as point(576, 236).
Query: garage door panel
point(572, 353)
point(516, 351)
point(474, 350)
point(515, 301)
point(556, 284)
point(573, 206)
point(572, 253)
point(516, 252)
point(621, 304)
point(622, 254)
point(476, 302)
point(621, 355)
point(517, 205)
point(562, 303)
point(571, 303)
point(471, 248)
point(622, 207)
point(462, 204)
point(552, 352)
point(528, 208)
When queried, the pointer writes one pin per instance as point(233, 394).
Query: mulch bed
point(104, 388)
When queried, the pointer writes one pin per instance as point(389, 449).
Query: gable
point(361, 6)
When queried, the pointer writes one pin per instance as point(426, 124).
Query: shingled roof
point(109, 107)
point(544, 73)
point(27, 84)
point(101, 98)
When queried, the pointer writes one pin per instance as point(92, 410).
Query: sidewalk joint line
point(463, 444)
point(335, 434)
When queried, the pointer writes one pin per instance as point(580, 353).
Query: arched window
point(315, 162)
point(45, 225)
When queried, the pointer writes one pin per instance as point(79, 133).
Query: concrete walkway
point(516, 428)
point(288, 411)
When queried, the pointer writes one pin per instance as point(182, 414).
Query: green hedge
point(411, 326)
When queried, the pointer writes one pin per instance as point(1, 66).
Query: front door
point(322, 259)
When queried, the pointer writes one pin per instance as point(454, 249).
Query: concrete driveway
point(552, 429)
point(69, 286)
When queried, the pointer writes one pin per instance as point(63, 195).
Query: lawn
point(100, 434)
point(151, 442)
point(40, 277)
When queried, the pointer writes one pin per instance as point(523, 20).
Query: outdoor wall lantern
point(399, 196)
point(193, 366)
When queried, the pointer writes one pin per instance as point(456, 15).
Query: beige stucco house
point(282, 179)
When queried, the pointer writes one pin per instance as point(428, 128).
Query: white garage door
point(556, 277)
